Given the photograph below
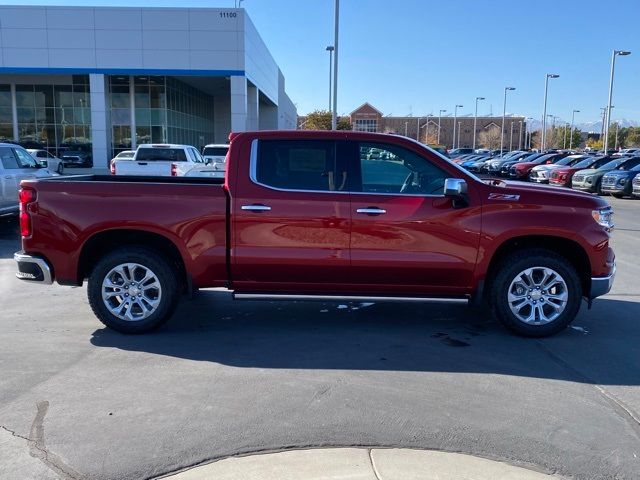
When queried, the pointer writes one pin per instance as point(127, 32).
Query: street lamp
point(622, 53)
point(504, 113)
point(475, 122)
point(455, 116)
point(459, 128)
point(573, 113)
point(406, 127)
point(520, 135)
point(334, 114)
point(330, 50)
point(544, 113)
point(439, 117)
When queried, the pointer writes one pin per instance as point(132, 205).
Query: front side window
point(299, 165)
point(386, 168)
point(215, 151)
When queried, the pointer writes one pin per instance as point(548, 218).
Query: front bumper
point(602, 285)
point(33, 269)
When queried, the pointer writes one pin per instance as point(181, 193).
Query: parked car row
point(616, 174)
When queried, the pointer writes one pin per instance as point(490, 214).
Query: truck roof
point(321, 134)
point(163, 145)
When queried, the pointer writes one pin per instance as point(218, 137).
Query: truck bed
point(76, 211)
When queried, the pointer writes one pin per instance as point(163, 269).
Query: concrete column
point(238, 104)
point(14, 113)
point(132, 109)
point(252, 108)
point(100, 121)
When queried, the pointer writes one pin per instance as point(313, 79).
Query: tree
point(490, 138)
point(594, 144)
point(321, 120)
point(633, 137)
point(560, 137)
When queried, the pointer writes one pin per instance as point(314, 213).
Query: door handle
point(256, 208)
point(8, 177)
point(371, 211)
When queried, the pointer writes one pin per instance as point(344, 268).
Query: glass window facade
point(6, 118)
point(365, 125)
point(166, 111)
point(55, 117)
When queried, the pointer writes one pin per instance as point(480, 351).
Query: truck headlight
point(589, 179)
point(604, 217)
point(622, 181)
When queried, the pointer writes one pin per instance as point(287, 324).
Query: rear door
point(8, 181)
point(406, 235)
point(290, 217)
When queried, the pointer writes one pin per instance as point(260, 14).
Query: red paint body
point(563, 176)
point(313, 242)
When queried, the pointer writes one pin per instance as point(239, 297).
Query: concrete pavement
point(359, 464)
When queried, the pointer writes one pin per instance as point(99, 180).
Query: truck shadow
point(9, 236)
point(601, 347)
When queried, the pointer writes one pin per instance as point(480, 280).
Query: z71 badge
point(504, 196)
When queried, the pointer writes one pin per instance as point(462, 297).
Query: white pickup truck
point(216, 154)
point(165, 160)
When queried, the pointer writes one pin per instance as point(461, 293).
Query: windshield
point(215, 151)
point(126, 155)
point(161, 154)
point(448, 160)
point(611, 165)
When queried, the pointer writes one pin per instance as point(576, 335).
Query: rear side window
point(162, 154)
point(628, 165)
point(215, 151)
point(299, 165)
point(8, 159)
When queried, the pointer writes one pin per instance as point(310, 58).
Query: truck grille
point(578, 178)
point(636, 181)
point(609, 180)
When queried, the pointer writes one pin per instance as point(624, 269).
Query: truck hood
point(544, 167)
point(549, 195)
point(621, 173)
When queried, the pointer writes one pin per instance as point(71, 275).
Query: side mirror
point(454, 187)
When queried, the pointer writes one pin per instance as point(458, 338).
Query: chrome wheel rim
point(537, 295)
point(131, 291)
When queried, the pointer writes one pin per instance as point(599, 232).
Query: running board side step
point(347, 298)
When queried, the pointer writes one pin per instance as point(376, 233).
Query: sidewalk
point(359, 464)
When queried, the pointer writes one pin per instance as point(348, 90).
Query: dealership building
point(105, 79)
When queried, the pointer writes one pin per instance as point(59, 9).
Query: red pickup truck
point(320, 215)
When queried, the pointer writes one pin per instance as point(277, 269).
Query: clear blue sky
point(418, 56)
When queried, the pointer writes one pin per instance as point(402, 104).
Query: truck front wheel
point(133, 290)
point(536, 292)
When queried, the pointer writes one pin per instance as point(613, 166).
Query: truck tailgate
point(145, 168)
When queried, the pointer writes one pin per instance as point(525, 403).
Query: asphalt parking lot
point(225, 378)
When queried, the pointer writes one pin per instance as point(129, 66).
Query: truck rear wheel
point(133, 290)
point(536, 293)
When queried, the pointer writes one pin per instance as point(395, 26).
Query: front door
point(291, 220)
point(406, 235)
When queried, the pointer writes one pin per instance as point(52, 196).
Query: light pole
point(334, 115)
point(418, 130)
point(622, 53)
point(475, 122)
point(617, 130)
point(330, 50)
point(543, 142)
point(455, 117)
point(564, 141)
point(439, 117)
point(459, 128)
point(511, 137)
point(573, 114)
point(406, 126)
point(504, 113)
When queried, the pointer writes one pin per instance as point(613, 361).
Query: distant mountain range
point(586, 126)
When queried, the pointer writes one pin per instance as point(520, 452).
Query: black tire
point(60, 168)
point(149, 259)
point(510, 267)
point(599, 189)
point(618, 195)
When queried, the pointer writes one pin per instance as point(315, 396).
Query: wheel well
point(569, 249)
point(101, 243)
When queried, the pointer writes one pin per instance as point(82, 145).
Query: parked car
point(619, 182)
point(76, 159)
point(636, 186)
point(563, 176)
point(45, 159)
point(630, 151)
point(16, 164)
point(165, 160)
point(280, 226)
point(494, 166)
point(460, 151)
point(542, 173)
point(520, 170)
point(440, 149)
point(590, 180)
point(215, 155)
point(124, 155)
